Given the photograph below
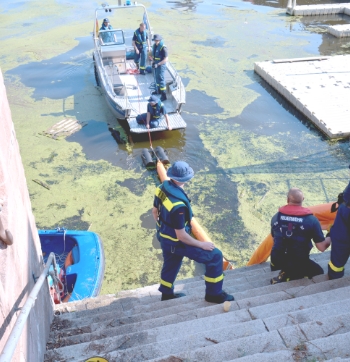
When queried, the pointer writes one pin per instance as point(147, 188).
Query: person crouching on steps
point(292, 229)
point(173, 213)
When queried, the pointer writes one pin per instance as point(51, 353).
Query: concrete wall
point(20, 261)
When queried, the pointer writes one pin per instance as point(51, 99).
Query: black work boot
point(220, 298)
point(282, 277)
point(172, 296)
point(163, 96)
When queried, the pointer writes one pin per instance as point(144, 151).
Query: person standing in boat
point(140, 44)
point(292, 229)
point(155, 112)
point(159, 57)
point(106, 37)
point(173, 214)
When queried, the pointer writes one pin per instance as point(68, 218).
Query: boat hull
point(87, 265)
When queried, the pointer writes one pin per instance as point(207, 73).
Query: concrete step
point(331, 347)
point(322, 327)
point(279, 356)
point(226, 351)
point(278, 292)
point(299, 303)
point(117, 339)
point(189, 342)
point(132, 302)
point(107, 320)
point(308, 314)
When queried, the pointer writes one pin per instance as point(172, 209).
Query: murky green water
point(245, 143)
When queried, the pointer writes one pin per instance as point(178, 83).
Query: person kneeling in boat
point(340, 237)
point(155, 113)
point(292, 229)
point(173, 214)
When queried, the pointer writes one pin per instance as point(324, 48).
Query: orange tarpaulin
point(197, 230)
point(324, 216)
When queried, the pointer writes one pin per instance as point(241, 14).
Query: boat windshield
point(111, 37)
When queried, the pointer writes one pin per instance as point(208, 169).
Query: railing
point(11, 343)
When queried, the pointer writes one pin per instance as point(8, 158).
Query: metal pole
point(11, 343)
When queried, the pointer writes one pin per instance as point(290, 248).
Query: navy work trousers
point(143, 55)
point(153, 123)
point(174, 252)
point(160, 78)
point(339, 256)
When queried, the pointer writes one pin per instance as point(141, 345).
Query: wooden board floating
point(64, 128)
point(320, 89)
point(175, 120)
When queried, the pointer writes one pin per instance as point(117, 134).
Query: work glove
point(154, 65)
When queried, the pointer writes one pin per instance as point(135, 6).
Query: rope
point(151, 146)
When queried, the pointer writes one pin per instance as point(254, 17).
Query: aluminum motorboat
point(124, 88)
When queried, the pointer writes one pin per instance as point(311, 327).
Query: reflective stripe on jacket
point(156, 52)
point(169, 198)
point(141, 38)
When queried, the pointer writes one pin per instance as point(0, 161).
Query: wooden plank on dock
point(320, 89)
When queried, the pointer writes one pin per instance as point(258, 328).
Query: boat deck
point(139, 88)
point(319, 87)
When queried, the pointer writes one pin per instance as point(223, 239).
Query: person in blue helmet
point(159, 57)
point(340, 237)
point(292, 229)
point(140, 44)
point(106, 37)
point(155, 112)
point(173, 214)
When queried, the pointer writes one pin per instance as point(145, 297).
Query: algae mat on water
point(246, 145)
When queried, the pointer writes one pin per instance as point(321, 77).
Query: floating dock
point(319, 87)
point(340, 31)
point(319, 9)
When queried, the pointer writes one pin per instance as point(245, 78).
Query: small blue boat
point(81, 261)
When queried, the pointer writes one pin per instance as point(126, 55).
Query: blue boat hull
point(84, 277)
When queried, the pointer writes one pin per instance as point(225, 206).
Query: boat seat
point(115, 54)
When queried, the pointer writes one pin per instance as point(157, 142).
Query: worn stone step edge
point(158, 333)
point(260, 343)
point(168, 305)
point(198, 339)
point(331, 347)
point(251, 270)
point(280, 292)
point(299, 303)
point(127, 303)
point(295, 336)
point(278, 356)
point(333, 308)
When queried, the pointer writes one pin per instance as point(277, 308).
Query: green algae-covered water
point(246, 144)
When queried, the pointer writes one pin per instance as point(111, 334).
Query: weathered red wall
point(20, 261)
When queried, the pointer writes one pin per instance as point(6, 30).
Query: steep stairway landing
point(302, 320)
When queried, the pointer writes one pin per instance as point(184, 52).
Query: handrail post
point(11, 343)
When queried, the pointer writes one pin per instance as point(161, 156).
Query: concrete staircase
point(302, 320)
